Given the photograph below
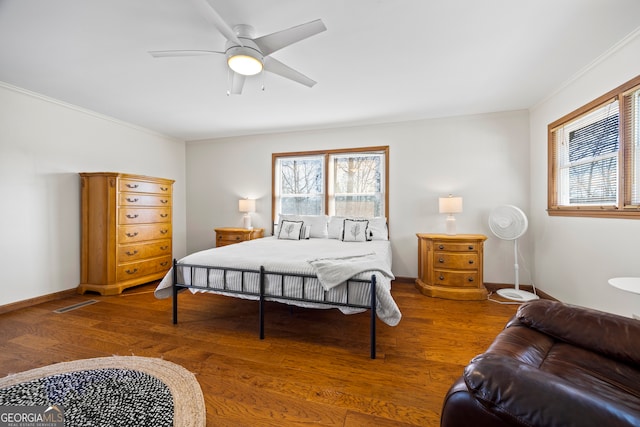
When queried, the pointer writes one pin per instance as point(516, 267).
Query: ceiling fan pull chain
point(262, 76)
point(228, 82)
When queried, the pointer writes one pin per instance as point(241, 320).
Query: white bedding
point(295, 256)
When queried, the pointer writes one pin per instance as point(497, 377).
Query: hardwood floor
point(313, 366)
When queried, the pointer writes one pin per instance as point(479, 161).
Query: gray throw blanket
point(333, 271)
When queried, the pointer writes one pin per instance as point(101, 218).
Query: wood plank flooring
point(313, 366)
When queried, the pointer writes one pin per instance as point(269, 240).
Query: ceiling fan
point(246, 55)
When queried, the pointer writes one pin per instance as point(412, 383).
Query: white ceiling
point(378, 61)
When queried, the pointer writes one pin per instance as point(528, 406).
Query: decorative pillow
point(306, 232)
point(290, 230)
point(335, 227)
point(354, 230)
point(317, 224)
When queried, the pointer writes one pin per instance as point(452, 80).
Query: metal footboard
point(234, 281)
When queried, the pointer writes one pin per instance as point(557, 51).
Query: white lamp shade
point(247, 205)
point(450, 204)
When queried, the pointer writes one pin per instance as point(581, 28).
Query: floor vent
point(74, 306)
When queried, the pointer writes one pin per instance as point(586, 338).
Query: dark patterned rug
point(110, 391)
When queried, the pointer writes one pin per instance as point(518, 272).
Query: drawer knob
point(135, 270)
point(164, 248)
point(163, 201)
point(132, 185)
point(130, 200)
point(470, 261)
point(164, 264)
point(132, 234)
point(470, 247)
point(164, 188)
point(164, 215)
point(132, 216)
point(164, 231)
point(441, 260)
point(441, 277)
point(441, 247)
point(470, 279)
point(132, 253)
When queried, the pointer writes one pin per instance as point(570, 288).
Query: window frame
point(327, 154)
point(622, 208)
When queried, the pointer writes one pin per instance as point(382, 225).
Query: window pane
point(300, 185)
point(357, 182)
point(632, 111)
point(587, 153)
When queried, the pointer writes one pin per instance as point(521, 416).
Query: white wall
point(482, 158)
point(574, 257)
point(43, 146)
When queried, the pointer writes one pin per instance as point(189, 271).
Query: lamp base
point(451, 224)
point(246, 221)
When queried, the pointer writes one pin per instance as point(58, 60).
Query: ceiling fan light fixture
point(244, 61)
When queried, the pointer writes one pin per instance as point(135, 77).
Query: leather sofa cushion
point(608, 334)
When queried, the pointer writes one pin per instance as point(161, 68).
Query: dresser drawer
point(460, 261)
point(128, 253)
point(140, 233)
point(133, 199)
point(135, 186)
point(455, 247)
point(143, 215)
point(133, 270)
point(455, 279)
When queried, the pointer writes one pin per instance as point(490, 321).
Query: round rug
point(134, 388)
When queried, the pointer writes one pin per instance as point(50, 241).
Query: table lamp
point(247, 206)
point(450, 205)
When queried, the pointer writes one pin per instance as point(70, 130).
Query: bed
point(313, 265)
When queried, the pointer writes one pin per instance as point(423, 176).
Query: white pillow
point(355, 230)
point(335, 227)
point(318, 224)
point(290, 230)
point(377, 229)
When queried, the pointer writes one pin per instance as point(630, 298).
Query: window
point(594, 157)
point(349, 182)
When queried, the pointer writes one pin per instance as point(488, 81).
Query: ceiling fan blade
point(276, 41)
point(237, 82)
point(274, 66)
point(174, 53)
point(218, 22)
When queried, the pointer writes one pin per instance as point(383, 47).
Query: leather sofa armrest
point(521, 394)
point(608, 334)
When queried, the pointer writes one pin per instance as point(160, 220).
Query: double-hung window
point(594, 157)
point(349, 182)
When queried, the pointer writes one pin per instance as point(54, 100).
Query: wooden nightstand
point(450, 266)
point(230, 235)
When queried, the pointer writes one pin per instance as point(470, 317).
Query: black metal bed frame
point(263, 295)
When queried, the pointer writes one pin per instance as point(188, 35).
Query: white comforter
point(299, 256)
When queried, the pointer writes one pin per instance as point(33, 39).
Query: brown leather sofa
point(553, 365)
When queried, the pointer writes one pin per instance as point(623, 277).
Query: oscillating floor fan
point(509, 223)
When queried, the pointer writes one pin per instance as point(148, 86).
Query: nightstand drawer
point(455, 278)
point(455, 247)
point(230, 235)
point(455, 260)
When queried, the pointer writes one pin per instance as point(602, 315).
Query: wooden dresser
point(230, 235)
point(450, 266)
point(126, 231)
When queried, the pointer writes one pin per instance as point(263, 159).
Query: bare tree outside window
point(301, 186)
point(357, 185)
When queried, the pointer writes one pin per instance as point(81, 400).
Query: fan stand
point(517, 294)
